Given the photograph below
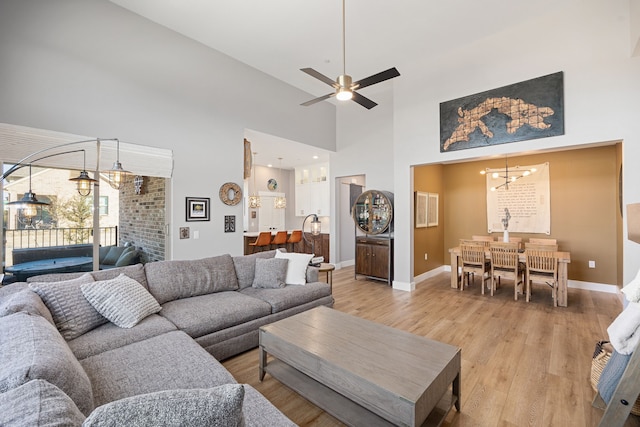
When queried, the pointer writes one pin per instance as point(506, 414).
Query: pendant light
point(254, 199)
point(29, 207)
point(116, 173)
point(508, 175)
point(280, 202)
point(83, 181)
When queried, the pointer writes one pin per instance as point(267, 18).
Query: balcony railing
point(38, 238)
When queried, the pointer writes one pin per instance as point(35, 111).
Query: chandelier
point(254, 199)
point(280, 202)
point(507, 175)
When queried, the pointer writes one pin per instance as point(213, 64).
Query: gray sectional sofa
point(66, 362)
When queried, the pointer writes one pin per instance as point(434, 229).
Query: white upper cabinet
point(313, 190)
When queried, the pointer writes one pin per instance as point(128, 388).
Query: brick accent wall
point(142, 217)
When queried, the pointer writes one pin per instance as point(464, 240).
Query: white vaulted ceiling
point(279, 37)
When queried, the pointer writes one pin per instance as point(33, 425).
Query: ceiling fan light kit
point(344, 87)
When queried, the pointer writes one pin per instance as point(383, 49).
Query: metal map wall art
point(518, 112)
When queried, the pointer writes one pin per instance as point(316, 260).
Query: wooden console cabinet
point(374, 257)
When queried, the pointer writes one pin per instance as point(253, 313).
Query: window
point(103, 205)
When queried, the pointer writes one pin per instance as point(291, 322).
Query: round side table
point(328, 268)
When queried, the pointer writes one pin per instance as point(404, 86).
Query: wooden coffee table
point(361, 372)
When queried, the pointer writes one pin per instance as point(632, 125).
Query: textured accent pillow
point(38, 403)
point(270, 273)
point(219, 406)
point(71, 312)
point(297, 269)
point(245, 266)
point(122, 300)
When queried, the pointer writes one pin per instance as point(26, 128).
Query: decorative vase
point(505, 236)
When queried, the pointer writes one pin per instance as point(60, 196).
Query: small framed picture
point(197, 209)
point(229, 223)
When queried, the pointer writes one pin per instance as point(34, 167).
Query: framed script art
point(421, 205)
point(197, 209)
point(426, 209)
point(527, 110)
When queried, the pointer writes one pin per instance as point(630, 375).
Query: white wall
point(364, 147)
point(590, 43)
point(89, 67)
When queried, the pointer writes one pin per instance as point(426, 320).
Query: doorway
point(348, 188)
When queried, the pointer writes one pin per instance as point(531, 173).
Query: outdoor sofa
point(64, 361)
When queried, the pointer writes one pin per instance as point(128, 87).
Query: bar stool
point(296, 237)
point(263, 241)
point(279, 239)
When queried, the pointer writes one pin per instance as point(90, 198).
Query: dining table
point(564, 258)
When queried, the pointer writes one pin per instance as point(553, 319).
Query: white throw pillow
point(297, 267)
point(632, 289)
point(122, 300)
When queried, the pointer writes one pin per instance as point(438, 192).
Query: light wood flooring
point(523, 364)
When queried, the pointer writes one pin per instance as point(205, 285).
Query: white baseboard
point(431, 273)
point(404, 286)
point(591, 286)
point(346, 263)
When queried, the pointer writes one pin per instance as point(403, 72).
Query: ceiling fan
point(345, 88)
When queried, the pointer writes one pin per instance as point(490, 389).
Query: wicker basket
point(601, 356)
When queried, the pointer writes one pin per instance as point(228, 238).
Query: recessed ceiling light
point(269, 165)
point(315, 157)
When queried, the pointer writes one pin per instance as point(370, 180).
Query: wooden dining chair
point(473, 262)
point(279, 240)
point(543, 241)
point(483, 238)
point(538, 247)
point(263, 241)
point(294, 238)
point(542, 268)
point(505, 264)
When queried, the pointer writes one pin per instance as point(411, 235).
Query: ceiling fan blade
point(315, 100)
point(377, 78)
point(363, 100)
point(319, 76)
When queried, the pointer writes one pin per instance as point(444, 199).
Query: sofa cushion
point(205, 314)
point(136, 272)
point(25, 301)
point(297, 268)
point(127, 258)
point(169, 361)
point(31, 348)
point(122, 300)
point(290, 295)
point(172, 280)
point(38, 403)
point(110, 336)
point(270, 273)
point(245, 266)
point(113, 254)
point(218, 406)
point(72, 313)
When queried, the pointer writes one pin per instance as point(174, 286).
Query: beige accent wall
point(585, 213)
point(430, 240)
